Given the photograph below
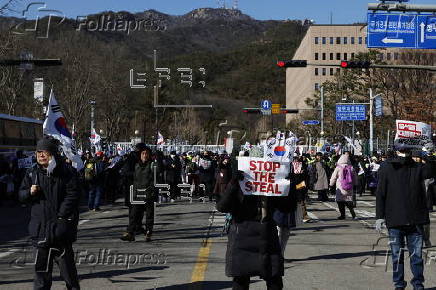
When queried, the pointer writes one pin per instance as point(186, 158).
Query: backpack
point(347, 178)
point(89, 171)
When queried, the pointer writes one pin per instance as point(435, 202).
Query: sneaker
point(148, 236)
point(128, 237)
point(341, 217)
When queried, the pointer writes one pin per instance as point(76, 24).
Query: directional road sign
point(266, 104)
point(401, 30)
point(427, 31)
point(311, 122)
point(350, 112)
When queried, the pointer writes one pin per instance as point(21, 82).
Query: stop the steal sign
point(262, 177)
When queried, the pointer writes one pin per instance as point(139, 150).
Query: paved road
point(188, 250)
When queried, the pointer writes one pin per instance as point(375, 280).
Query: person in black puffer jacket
point(253, 247)
point(52, 189)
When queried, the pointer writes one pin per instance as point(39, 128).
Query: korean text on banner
point(262, 177)
point(412, 134)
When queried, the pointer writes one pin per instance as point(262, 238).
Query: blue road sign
point(266, 104)
point(426, 31)
point(311, 122)
point(401, 30)
point(378, 106)
point(350, 112)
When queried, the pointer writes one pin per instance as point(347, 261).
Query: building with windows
point(327, 44)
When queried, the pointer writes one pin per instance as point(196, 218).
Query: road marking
point(312, 216)
point(82, 222)
point(9, 252)
point(201, 264)
point(108, 211)
point(366, 202)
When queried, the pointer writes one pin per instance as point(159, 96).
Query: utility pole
point(156, 92)
point(322, 111)
point(371, 123)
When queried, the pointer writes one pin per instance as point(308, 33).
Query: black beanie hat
point(47, 145)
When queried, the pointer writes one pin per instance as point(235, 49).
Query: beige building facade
point(324, 44)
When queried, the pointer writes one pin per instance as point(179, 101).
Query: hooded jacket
point(401, 198)
point(335, 180)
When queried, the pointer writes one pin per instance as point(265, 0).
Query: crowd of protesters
point(140, 175)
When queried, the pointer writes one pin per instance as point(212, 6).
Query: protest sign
point(262, 177)
point(411, 134)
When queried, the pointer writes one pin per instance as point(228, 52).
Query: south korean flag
point(280, 149)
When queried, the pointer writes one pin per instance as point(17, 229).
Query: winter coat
point(253, 247)
point(128, 168)
point(223, 177)
point(401, 198)
point(319, 173)
point(173, 170)
point(335, 180)
point(143, 182)
point(55, 209)
point(207, 170)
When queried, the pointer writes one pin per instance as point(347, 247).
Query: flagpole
point(92, 103)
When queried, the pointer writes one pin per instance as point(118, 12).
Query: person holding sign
point(253, 247)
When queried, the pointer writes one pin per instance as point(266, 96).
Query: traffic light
point(252, 110)
point(292, 63)
point(289, 111)
point(355, 64)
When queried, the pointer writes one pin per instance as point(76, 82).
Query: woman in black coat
point(253, 247)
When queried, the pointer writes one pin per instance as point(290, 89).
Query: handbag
point(301, 185)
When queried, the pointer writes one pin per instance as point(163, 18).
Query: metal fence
point(127, 146)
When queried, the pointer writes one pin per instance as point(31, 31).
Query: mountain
point(237, 52)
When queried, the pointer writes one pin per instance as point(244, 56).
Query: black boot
point(129, 237)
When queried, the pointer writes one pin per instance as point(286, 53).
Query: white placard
point(411, 134)
point(263, 177)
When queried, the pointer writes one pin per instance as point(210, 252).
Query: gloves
point(379, 224)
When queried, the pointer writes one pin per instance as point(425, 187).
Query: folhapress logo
point(118, 23)
point(37, 19)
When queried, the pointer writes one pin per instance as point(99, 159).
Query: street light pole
point(322, 112)
point(371, 123)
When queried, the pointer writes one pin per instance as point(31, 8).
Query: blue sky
point(344, 11)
